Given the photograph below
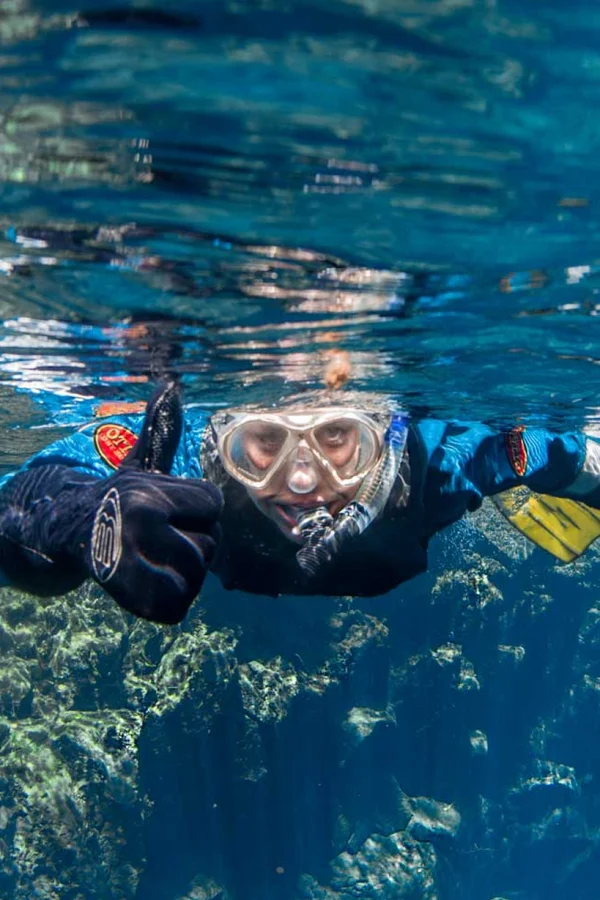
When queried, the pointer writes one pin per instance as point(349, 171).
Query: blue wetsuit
point(450, 467)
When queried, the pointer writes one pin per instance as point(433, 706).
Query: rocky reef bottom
point(441, 742)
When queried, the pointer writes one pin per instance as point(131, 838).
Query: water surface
point(414, 183)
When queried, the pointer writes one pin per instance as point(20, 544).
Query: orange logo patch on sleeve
point(516, 450)
point(113, 442)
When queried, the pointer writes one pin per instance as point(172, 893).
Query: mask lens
point(305, 445)
point(255, 447)
point(349, 446)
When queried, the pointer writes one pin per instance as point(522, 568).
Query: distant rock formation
point(440, 742)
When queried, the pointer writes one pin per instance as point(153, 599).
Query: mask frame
point(300, 427)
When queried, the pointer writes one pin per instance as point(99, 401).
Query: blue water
point(233, 190)
point(415, 183)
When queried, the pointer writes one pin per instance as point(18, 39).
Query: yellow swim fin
point(565, 528)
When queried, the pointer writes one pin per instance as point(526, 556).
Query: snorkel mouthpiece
point(313, 526)
point(323, 536)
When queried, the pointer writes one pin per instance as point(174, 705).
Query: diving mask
point(342, 444)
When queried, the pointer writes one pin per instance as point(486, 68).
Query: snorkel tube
point(323, 535)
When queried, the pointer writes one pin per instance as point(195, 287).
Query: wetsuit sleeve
point(467, 462)
point(33, 501)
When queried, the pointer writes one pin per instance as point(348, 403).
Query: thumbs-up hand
point(149, 537)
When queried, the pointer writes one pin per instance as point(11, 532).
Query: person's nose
point(302, 473)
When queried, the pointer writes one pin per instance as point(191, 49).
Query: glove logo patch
point(516, 450)
point(113, 443)
point(106, 546)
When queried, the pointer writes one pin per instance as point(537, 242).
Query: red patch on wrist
point(516, 450)
point(113, 443)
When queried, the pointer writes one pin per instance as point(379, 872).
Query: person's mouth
point(289, 513)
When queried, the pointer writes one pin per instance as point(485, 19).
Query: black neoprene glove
point(145, 536)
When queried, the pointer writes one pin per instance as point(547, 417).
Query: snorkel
point(323, 535)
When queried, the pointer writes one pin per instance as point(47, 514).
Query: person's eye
point(334, 435)
point(269, 440)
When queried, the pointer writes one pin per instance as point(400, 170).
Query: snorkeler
point(331, 498)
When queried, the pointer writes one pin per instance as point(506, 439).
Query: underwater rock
point(268, 688)
point(392, 867)
point(405, 746)
point(361, 721)
point(478, 740)
point(429, 818)
point(451, 656)
point(70, 810)
point(205, 889)
point(489, 520)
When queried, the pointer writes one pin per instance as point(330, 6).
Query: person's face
point(302, 482)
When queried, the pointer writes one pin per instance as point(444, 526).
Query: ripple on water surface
point(237, 191)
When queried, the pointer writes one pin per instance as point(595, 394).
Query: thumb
point(156, 445)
